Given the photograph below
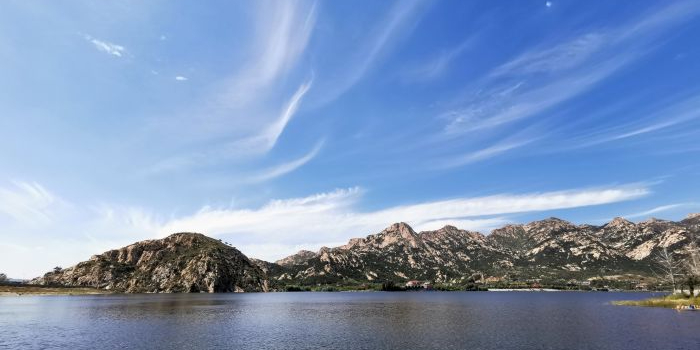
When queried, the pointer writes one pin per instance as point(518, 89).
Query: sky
point(285, 125)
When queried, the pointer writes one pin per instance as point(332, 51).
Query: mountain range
point(546, 250)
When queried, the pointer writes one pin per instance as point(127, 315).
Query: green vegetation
point(669, 301)
point(297, 289)
point(390, 286)
point(619, 283)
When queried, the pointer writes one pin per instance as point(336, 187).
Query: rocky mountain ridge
point(545, 249)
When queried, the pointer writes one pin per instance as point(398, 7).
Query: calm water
point(487, 320)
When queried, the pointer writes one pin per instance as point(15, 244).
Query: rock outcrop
point(296, 259)
point(182, 262)
point(550, 249)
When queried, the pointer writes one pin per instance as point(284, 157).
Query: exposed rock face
point(182, 262)
point(398, 253)
point(551, 248)
point(296, 259)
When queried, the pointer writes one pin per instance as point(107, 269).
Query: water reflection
point(343, 321)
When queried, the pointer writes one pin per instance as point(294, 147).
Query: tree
point(691, 281)
point(390, 286)
point(692, 267)
point(693, 257)
point(3, 277)
point(57, 269)
point(668, 266)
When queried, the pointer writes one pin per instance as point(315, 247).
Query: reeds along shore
point(674, 301)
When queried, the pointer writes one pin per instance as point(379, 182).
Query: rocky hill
point(182, 262)
point(547, 249)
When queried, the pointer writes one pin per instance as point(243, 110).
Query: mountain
point(549, 249)
point(396, 253)
point(297, 258)
point(182, 262)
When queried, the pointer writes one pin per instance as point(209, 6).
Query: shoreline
point(35, 290)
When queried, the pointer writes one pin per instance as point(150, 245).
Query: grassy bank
point(669, 301)
point(17, 290)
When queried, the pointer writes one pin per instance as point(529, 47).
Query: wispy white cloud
point(399, 21)
point(577, 51)
point(511, 101)
point(105, 46)
point(485, 153)
point(674, 114)
point(659, 19)
point(266, 140)
point(660, 209)
point(29, 203)
point(180, 78)
point(509, 204)
point(553, 59)
point(542, 78)
point(127, 220)
point(282, 32)
point(64, 234)
point(439, 64)
point(239, 149)
point(285, 168)
point(333, 216)
point(238, 121)
point(398, 17)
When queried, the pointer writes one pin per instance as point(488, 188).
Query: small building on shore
point(415, 284)
point(412, 284)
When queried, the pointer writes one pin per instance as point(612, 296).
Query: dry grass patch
point(669, 301)
point(16, 290)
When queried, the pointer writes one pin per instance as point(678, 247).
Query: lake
point(408, 320)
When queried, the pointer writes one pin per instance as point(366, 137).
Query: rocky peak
point(402, 228)
point(449, 232)
point(299, 258)
point(619, 231)
point(692, 220)
point(399, 232)
point(551, 225)
point(550, 221)
point(181, 262)
point(656, 225)
point(619, 222)
point(507, 230)
point(446, 230)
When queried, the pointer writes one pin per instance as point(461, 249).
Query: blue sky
point(284, 125)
